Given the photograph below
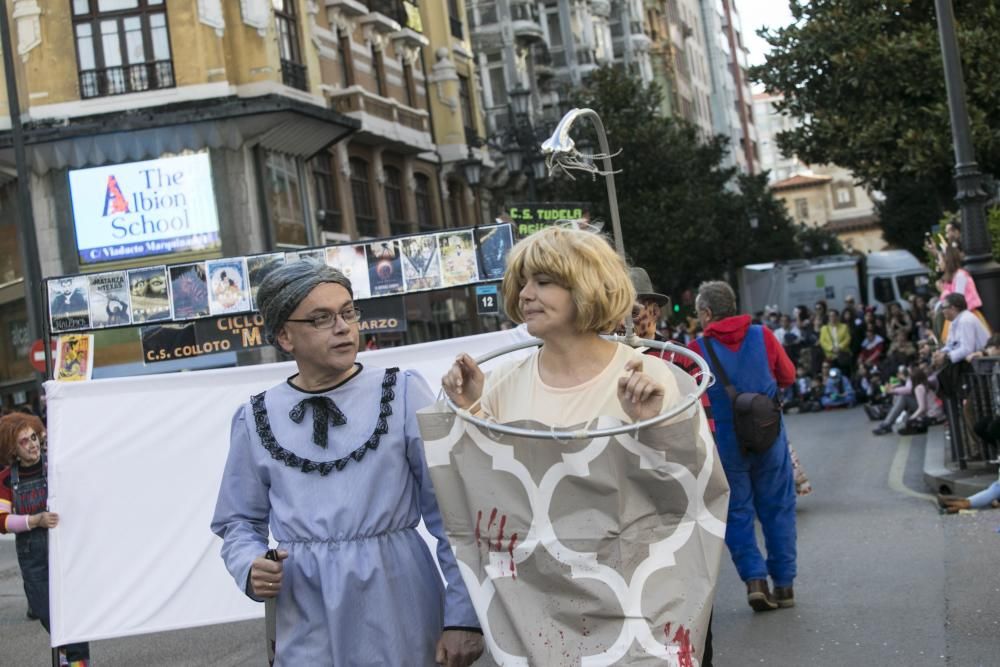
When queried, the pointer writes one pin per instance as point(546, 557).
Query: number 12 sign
point(487, 300)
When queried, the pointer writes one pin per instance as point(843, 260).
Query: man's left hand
point(458, 648)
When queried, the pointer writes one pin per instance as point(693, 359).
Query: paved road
point(884, 580)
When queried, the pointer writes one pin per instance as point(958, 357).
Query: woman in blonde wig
point(604, 548)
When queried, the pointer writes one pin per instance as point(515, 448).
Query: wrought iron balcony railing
point(293, 74)
point(124, 79)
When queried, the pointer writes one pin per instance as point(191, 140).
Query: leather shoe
point(882, 430)
point(759, 596)
point(784, 596)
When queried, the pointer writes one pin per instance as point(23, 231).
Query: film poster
point(69, 306)
point(458, 258)
point(385, 270)
point(314, 255)
point(149, 296)
point(258, 268)
point(351, 261)
point(421, 263)
point(189, 291)
point(74, 358)
point(227, 286)
point(109, 302)
point(494, 244)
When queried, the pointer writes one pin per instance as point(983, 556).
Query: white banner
point(134, 470)
point(154, 207)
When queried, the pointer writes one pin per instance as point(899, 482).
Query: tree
point(866, 81)
point(685, 217)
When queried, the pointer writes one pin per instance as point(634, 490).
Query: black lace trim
point(279, 453)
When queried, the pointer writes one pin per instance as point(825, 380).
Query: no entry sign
point(37, 354)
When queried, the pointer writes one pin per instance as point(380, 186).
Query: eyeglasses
point(23, 442)
point(328, 320)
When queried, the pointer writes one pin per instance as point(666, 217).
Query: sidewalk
point(940, 472)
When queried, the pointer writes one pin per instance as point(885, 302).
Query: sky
point(758, 14)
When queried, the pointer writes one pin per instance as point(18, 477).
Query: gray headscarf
point(284, 289)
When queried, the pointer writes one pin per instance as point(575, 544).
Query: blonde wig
point(582, 262)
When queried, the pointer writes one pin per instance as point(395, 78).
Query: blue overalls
point(759, 484)
point(31, 497)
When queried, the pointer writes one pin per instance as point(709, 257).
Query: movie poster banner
point(227, 286)
point(494, 244)
point(352, 262)
point(233, 333)
point(189, 291)
point(421, 263)
point(258, 268)
point(385, 269)
point(69, 304)
point(458, 258)
point(74, 358)
point(149, 294)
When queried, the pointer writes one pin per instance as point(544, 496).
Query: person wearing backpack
point(750, 365)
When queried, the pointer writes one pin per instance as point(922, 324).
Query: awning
point(272, 121)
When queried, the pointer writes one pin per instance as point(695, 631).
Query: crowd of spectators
point(881, 359)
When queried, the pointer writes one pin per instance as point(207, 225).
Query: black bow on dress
point(325, 413)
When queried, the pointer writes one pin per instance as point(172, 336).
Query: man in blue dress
point(331, 461)
point(762, 485)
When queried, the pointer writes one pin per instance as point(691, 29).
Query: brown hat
point(644, 286)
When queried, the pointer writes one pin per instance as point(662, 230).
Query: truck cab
point(893, 275)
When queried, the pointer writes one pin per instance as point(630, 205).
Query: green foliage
point(993, 224)
point(910, 210)
point(866, 81)
point(817, 242)
point(685, 217)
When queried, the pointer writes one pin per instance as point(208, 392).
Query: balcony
point(525, 21)
point(384, 118)
point(293, 75)
point(126, 79)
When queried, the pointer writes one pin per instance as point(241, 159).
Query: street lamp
point(514, 157)
point(520, 99)
point(971, 194)
point(473, 171)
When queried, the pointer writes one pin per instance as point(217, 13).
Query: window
point(555, 30)
point(498, 85)
point(284, 199)
point(801, 209)
point(409, 84)
point(345, 58)
point(378, 71)
point(327, 206)
point(394, 201)
point(293, 72)
point(455, 19)
point(465, 100)
point(843, 196)
point(455, 192)
point(122, 46)
point(425, 215)
point(361, 195)
point(883, 290)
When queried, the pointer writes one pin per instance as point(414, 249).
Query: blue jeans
point(33, 557)
point(986, 496)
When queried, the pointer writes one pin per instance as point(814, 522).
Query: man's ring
point(270, 584)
